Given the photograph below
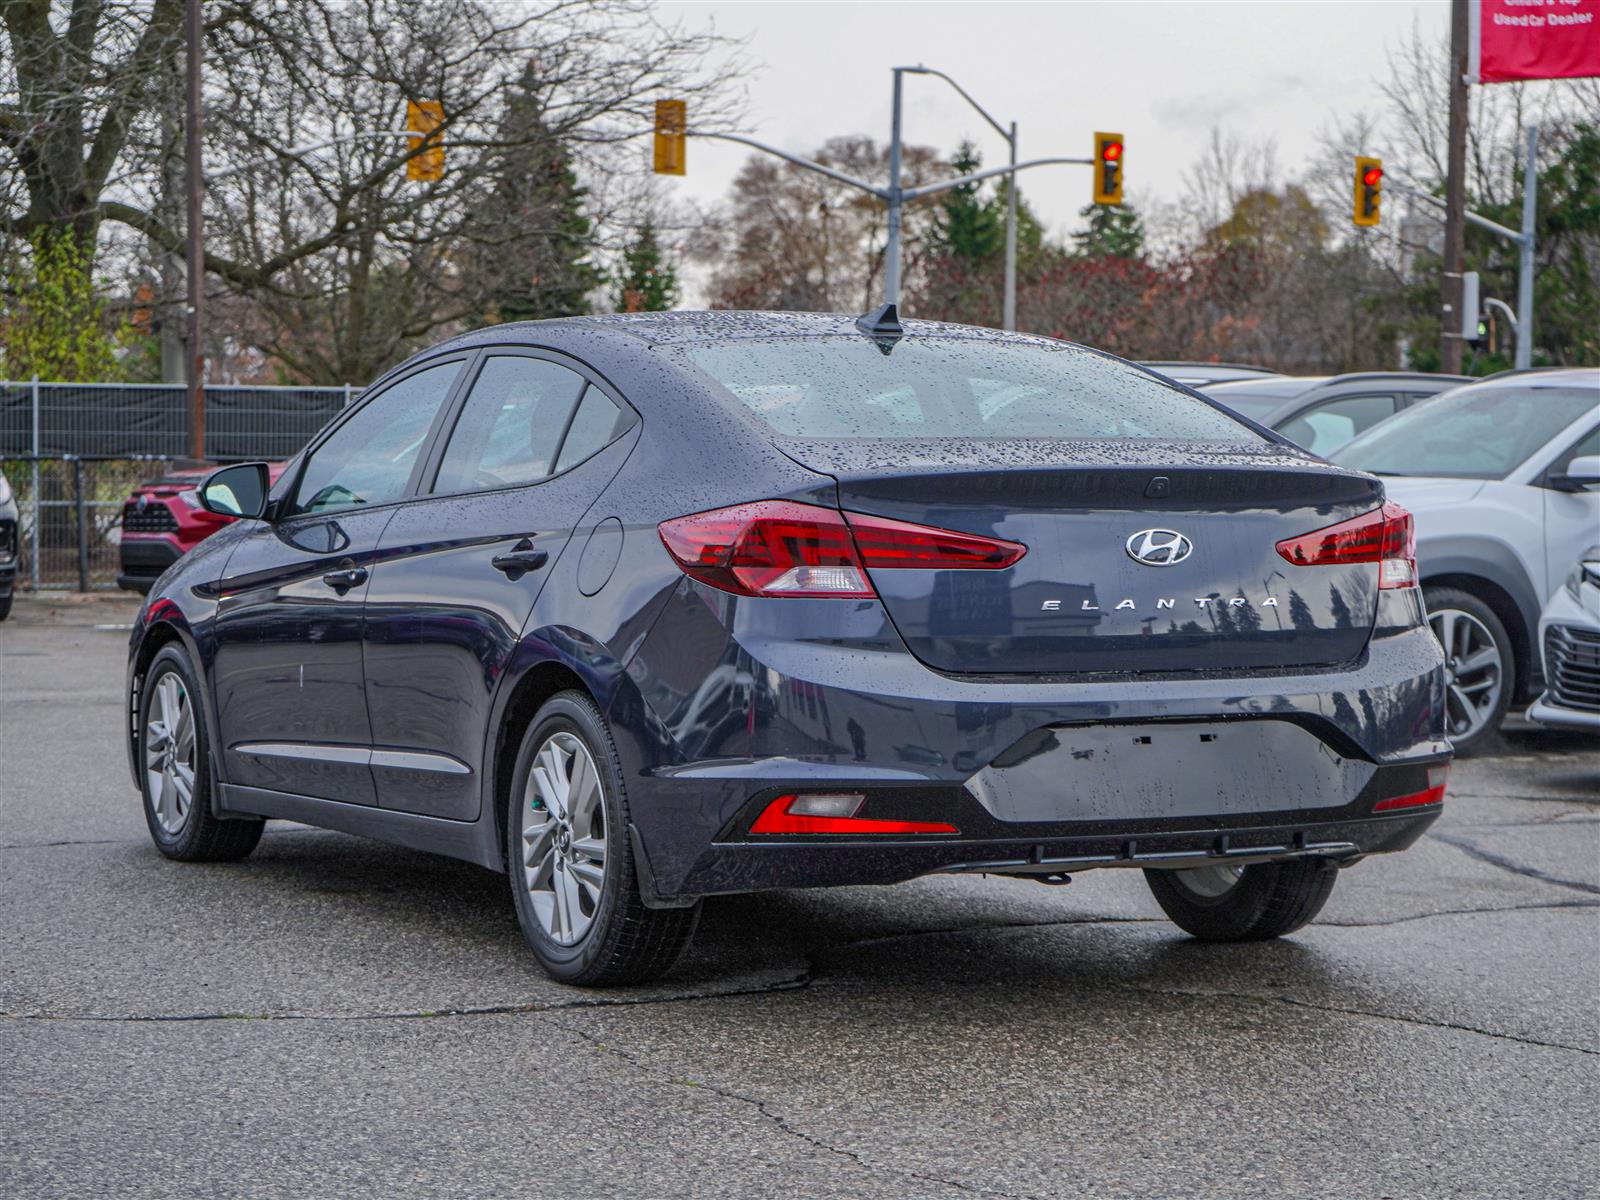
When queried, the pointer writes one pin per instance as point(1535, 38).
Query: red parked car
point(163, 520)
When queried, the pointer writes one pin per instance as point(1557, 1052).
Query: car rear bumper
point(1037, 775)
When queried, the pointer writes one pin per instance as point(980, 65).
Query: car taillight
point(785, 548)
point(1385, 536)
point(833, 812)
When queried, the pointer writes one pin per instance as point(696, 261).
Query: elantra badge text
point(1202, 602)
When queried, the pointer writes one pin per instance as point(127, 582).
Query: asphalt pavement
point(336, 1018)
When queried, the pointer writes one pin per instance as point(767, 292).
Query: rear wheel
point(1226, 903)
point(175, 775)
point(1480, 666)
point(570, 856)
point(5, 607)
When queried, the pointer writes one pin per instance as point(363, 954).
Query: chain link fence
point(74, 453)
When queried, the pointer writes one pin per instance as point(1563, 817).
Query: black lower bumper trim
point(756, 866)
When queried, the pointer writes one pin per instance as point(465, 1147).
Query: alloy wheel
point(564, 838)
point(169, 753)
point(1474, 671)
point(1210, 883)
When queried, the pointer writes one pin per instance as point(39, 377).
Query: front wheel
point(570, 857)
point(1480, 667)
point(1226, 903)
point(175, 775)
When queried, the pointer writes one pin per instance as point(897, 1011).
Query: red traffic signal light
point(1107, 164)
point(1371, 176)
point(1367, 194)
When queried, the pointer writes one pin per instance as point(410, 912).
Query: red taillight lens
point(1385, 536)
point(787, 814)
point(784, 548)
point(1433, 794)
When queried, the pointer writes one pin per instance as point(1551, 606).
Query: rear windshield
point(1474, 433)
point(846, 387)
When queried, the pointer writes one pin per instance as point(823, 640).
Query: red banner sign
point(1533, 39)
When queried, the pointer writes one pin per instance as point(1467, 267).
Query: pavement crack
point(789, 983)
point(786, 1127)
point(1254, 998)
point(998, 927)
point(69, 842)
point(1460, 912)
point(1472, 849)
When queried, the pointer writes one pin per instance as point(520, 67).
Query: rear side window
point(846, 387)
point(596, 425)
point(509, 431)
point(1325, 428)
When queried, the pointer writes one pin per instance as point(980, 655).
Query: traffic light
point(423, 117)
point(1368, 191)
point(1108, 168)
point(672, 127)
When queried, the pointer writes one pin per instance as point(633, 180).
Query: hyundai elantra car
point(644, 609)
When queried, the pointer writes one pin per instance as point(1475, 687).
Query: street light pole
point(194, 189)
point(891, 249)
point(1008, 318)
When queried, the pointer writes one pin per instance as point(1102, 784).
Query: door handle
point(346, 577)
point(521, 559)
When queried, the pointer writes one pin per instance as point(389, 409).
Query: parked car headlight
point(1587, 571)
point(5, 490)
point(191, 497)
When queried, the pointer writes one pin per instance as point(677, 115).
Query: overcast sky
point(1162, 74)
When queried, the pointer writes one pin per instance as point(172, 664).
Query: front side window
point(1481, 432)
point(1325, 428)
point(369, 458)
point(510, 429)
point(931, 387)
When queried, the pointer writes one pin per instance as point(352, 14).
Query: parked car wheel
point(571, 859)
point(1480, 665)
point(1226, 903)
point(5, 607)
point(175, 774)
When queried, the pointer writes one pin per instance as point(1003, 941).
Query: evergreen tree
point(537, 237)
point(969, 228)
point(1115, 231)
point(647, 282)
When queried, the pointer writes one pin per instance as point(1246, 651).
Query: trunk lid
point(1079, 601)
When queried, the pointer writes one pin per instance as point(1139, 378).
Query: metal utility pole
point(1455, 197)
point(194, 189)
point(1530, 208)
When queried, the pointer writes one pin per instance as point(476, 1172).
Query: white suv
point(1503, 477)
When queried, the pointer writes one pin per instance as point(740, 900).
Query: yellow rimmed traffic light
point(672, 128)
point(1368, 190)
point(1108, 153)
point(423, 117)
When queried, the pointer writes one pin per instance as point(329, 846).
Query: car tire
point(1244, 904)
point(572, 872)
point(5, 606)
point(1468, 618)
point(173, 736)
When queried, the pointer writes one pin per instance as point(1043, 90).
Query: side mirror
point(1581, 474)
point(238, 491)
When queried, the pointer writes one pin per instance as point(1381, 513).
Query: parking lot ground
point(334, 1017)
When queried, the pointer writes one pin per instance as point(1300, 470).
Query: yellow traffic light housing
point(423, 118)
point(672, 128)
point(1368, 191)
point(1108, 168)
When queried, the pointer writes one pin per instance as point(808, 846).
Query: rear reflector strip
point(1433, 795)
point(781, 817)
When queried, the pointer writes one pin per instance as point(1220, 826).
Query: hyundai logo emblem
point(1159, 547)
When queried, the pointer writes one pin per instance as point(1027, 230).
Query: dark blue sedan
point(642, 609)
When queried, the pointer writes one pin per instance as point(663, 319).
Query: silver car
point(1569, 635)
point(1503, 478)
